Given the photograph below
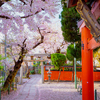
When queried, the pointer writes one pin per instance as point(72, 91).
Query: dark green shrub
point(55, 69)
point(35, 64)
point(68, 69)
point(58, 59)
point(39, 71)
point(78, 69)
point(32, 72)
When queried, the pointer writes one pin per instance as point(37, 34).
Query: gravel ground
point(52, 91)
point(97, 87)
point(58, 91)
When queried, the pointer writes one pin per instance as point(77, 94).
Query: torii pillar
point(87, 66)
point(87, 45)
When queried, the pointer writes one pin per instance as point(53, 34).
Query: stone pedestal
point(49, 76)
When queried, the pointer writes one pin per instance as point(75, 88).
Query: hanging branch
point(41, 41)
point(6, 17)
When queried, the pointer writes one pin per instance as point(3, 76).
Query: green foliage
point(70, 49)
point(1, 66)
point(36, 64)
point(56, 69)
point(73, 52)
point(44, 63)
point(1, 79)
point(77, 53)
point(58, 59)
point(68, 69)
point(32, 72)
point(96, 49)
point(71, 64)
point(69, 18)
point(39, 71)
point(78, 69)
point(1, 69)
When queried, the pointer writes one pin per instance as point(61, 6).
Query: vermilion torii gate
point(90, 39)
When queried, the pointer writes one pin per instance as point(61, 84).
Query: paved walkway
point(27, 91)
point(33, 89)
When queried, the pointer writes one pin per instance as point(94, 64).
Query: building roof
point(79, 23)
point(72, 3)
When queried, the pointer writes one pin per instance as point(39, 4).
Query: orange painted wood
point(92, 44)
point(87, 66)
point(79, 75)
point(96, 76)
point(67, 75)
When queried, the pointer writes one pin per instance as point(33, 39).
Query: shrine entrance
point(32, 60)
point(90, 39)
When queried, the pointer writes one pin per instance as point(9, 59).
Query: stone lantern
point(49, 75)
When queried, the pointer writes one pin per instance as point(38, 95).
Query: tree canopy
point(69, 18)
point(73, 52)
point(23, 24)
point(58, 59)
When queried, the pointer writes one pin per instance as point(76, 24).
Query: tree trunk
point(73, 72)
point(12, 74)
point(59, 74)
point(18, 63)
point(27, 66)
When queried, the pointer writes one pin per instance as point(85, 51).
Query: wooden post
point(9, 89)
point(73, 72)
point(87, 66)
point(16, 79)
point(0, 93)
point(42, 70)
point(12, 85)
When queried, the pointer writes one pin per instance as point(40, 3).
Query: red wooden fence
point(67, 75)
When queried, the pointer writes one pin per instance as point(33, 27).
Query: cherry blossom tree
point(22, 22)
point(53, 42)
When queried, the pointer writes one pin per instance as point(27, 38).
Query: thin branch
point(41, 41)
point(24, 40)
point(3, 16)
point(23, 2)
point(12, 56)
point(31, 3)
point(14, 60)
point(2, 2)
point(6, 17)
point(42, 37)
point(19, 45)
point(37, 44)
